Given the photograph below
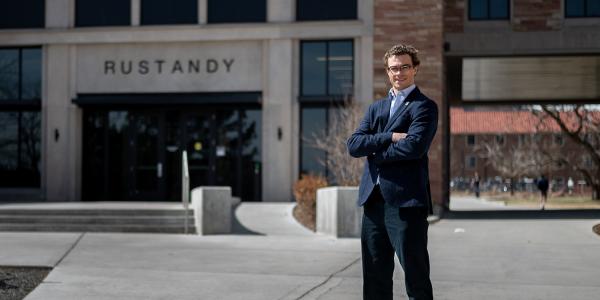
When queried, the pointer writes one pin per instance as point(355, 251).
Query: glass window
point(20, 74)
point(31, 73)
point(313, 10)
point(314, 122)
point(327, 68)
point(559, 140)
point(314, 68)
point(20, 149)
point(20, 126)
point(102, 13)
point(582, 8)
point(9, 74)
point(340, 68)
point(471, 161)
point(155, 12)
point(22, 14)
point(500, 139)
point(470, 140)
point(237, 11)
point(489, 9)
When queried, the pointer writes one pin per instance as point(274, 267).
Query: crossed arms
point(395, 146)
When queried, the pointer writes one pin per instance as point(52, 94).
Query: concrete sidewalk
point(499, 258)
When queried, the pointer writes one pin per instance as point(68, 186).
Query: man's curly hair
point(401, 49)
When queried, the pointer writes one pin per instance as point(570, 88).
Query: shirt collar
point(405, 92)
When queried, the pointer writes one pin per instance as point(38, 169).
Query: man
point(543, 185)
point(395, 135)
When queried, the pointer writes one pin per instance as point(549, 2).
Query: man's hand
point(396, 136)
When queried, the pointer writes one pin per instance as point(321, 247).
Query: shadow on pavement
point(239, 228)
point(524, 214)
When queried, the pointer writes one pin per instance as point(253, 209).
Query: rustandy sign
point(160, 66)
point(169, 67)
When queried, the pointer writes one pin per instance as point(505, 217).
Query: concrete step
point(94, 212)
point(95, 219)
point(42, 227)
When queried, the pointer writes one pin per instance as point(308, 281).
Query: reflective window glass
point(340, 68)
point(312, 10)
point(574, 8)
point(31, 76)
point(9, 74)
point(156, 12)
point(314, 122)
point(478, 9)
point(237, 11)
point(327, 68)
point(102, 13)
point(314, 65)
point(593, 8)
point(498, 9)
point(489, 9)
point(20, 149)
point(22, 14)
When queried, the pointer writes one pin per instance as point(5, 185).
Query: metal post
point(185, 188)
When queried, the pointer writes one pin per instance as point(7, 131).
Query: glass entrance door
point(136, 154)
point(146, 165)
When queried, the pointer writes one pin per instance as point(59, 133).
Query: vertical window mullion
point(327, 68)
point(19, 133)
point(585, 8)
point(20, 74)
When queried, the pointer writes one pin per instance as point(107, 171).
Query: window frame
point(468, 144)
point(298, 19)
point(328, 106)
point(468, 159)
point(19, 103)
point(43, 20)
point(327, 97)
point(76, 19)
point(585, 12)
point(209, 21)
point(142, 23)
point(488, 18)
point(21, 106)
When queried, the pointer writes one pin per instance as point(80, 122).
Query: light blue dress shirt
point(397, 100)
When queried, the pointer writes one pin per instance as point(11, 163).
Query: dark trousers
point(387, 230)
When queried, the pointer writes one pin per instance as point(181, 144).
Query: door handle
point(159, 170)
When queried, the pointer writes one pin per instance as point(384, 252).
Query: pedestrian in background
point(543, 185)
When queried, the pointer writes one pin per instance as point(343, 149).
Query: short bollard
point(337, 213)
point(213, 209)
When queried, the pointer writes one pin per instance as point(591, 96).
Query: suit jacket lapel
point(409, 99)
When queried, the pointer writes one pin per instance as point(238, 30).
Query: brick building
point(102, 96)
point(516, 135)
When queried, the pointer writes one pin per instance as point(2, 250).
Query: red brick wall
point(454, 15)
point(419, 23)
point(536, 15)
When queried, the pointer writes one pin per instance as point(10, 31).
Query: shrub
point(305, 193)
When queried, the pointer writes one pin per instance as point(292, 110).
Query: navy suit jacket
point(402, 167)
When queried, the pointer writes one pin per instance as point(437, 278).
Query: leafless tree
point(512, 161)
point(581, 125)
point(343, 169)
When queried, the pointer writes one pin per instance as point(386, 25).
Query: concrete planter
point(337, 212)
point(213, 209)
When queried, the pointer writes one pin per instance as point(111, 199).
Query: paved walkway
point(495, 258)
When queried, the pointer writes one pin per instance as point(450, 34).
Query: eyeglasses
point(399, 69)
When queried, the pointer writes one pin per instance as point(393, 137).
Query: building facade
point(103, 96)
